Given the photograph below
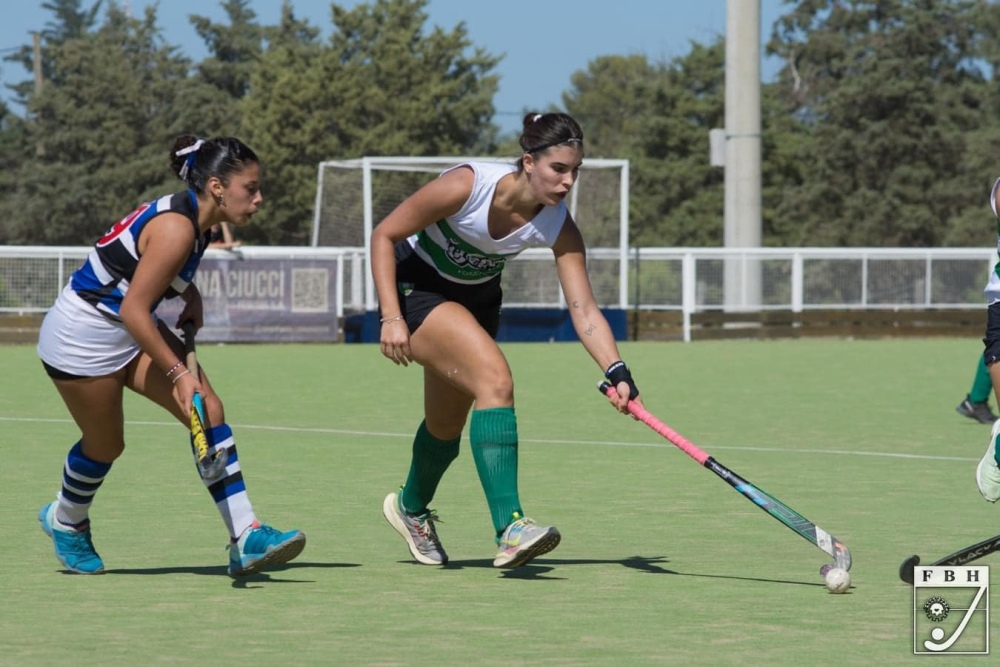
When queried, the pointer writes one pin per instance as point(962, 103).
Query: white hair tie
point(535, 119)
point(189, 151)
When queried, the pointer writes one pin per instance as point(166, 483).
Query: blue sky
point(544, 42)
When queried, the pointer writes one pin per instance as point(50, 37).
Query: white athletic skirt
point(77, 339)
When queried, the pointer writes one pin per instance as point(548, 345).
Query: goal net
point(354, 195)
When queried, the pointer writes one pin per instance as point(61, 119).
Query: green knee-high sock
point(493, 434)
point(982, 386)
point(431, 457)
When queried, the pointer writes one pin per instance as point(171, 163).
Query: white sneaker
point(988, 472)
point(524, 540)
point(417, 529)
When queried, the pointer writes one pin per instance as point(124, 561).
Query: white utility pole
point(742, 169)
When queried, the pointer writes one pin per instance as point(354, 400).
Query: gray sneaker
point(979, 411)
point(523, 541)
point(417, 529)
point(988, 472)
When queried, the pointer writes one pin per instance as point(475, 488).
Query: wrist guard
point(619, 372)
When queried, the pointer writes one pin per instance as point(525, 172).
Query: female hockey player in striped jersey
point(102, 336)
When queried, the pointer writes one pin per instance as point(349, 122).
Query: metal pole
point(743, 171)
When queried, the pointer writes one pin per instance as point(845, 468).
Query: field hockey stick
point(777, 509)
point(209, 467)
point(966, 555)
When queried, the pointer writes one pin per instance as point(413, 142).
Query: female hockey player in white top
point(436, 262)
point(988, 470)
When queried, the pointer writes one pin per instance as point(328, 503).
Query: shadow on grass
point(221, 571)
point(539, 568)
point(633, 562)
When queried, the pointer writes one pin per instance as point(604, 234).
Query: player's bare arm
point(164, 246)
point(439, 199)
point(588, 321)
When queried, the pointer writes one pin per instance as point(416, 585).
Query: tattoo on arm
point(590, 326)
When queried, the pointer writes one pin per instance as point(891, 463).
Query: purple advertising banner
point(264, 300)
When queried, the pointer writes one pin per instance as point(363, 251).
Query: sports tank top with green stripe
point(460, 247)
point(992, 291)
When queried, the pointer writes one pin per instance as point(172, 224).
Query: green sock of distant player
point(493, 434)
point(431, 457)
point(982, 386)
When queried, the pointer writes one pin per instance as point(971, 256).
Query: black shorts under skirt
point(420, 289)
point(57, 374)
point(992, 339)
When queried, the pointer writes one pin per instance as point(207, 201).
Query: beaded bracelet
point(386, 320)
point(180, 375)
point(174, 368)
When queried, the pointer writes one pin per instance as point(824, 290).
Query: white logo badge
point(951, 610)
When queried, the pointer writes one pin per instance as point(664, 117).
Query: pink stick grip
point(670, 434)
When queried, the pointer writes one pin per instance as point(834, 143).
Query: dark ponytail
point(194, 160)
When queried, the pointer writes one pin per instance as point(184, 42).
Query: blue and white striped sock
point(82, 477)
point(229, 492)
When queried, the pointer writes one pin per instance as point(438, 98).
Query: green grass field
point(661, 561)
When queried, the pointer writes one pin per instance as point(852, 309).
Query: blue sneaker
point(74, 548)
point(261, 546)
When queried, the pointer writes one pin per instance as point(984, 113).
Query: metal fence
point(688, 280)
point(694, 279)
point(31, 277)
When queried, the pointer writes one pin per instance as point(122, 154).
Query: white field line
point(595, 443)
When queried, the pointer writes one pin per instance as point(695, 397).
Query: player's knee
point(497, 388)
point(445, 429)
point(215, 408)
point(105, 450)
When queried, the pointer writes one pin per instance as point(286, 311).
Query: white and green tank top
point(992, 291)
point(460, 247)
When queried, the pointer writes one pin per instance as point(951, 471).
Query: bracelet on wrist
point(175, 368)
point(386, 320)
point(180, 375)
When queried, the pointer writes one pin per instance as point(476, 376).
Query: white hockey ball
point(838, 580)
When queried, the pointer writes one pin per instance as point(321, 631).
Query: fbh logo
point(951, 610)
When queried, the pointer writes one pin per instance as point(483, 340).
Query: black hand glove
point(619, 372)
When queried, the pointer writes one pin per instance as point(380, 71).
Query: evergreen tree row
point(878, 131)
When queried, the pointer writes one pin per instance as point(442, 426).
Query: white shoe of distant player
point(988, 472)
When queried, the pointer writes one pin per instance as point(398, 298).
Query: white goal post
point(352, 196)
